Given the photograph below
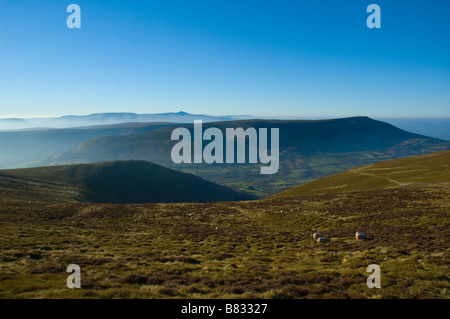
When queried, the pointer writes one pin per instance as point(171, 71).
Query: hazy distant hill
point(19, 148)
point(109, 118)
point(432, 168)
point(308, 150)
point(112, 182)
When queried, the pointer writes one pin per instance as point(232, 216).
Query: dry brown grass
point(174, 250)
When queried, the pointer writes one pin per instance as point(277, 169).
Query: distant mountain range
point(308, 150)
point(112, 182)
point(433, 127)
point(110, 118)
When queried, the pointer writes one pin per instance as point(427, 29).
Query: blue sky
point(262, 58)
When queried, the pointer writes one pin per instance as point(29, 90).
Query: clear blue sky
point(263, 58)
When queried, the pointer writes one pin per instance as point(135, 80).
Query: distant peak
point(362, 117)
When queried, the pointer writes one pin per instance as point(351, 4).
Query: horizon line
point(32, 117)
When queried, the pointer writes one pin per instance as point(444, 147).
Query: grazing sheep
point(360, 236)
point(323, 240)
point(219, 228)
point(317, 235)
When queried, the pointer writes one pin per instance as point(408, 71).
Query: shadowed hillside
point(308, 150)
point(426, 169)
point(112, 182)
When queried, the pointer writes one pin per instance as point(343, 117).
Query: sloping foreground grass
point(432, 168)
point(265, 249)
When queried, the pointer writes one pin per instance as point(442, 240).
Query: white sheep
point(317, 235)
point(360, 236)
point(323, 240)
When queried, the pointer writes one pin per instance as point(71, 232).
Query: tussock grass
point(264, 251)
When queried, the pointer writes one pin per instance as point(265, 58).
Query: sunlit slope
point(424, 169)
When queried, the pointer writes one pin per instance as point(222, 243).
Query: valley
point(309, 149)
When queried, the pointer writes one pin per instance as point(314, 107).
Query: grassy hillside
point(265, 249)
point(425, 169)
point(112, 182)
point(308, 150)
